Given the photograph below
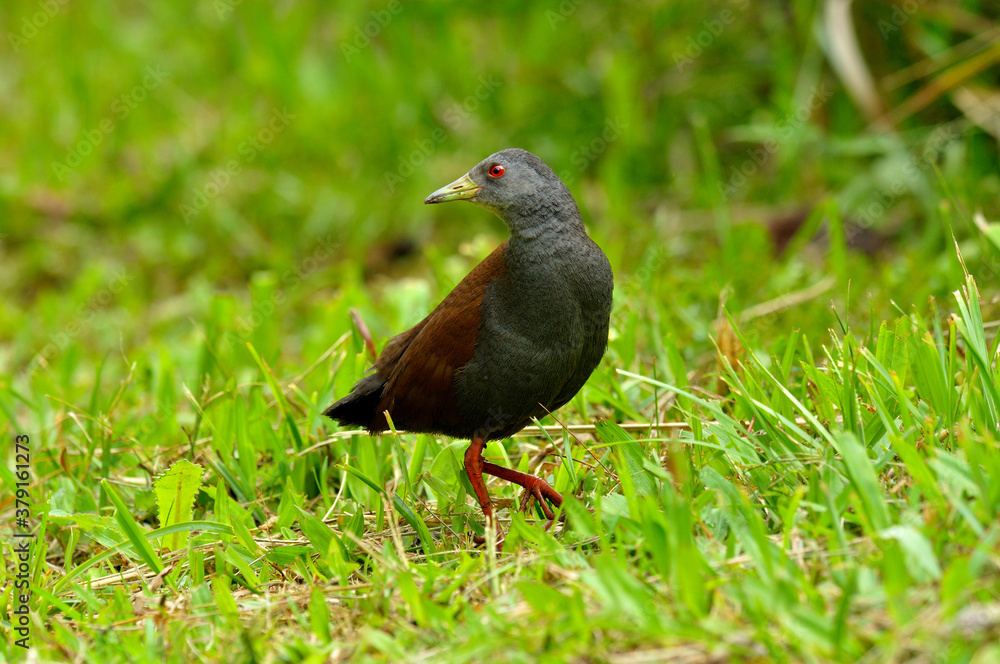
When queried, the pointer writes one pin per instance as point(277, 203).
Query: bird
point(515, 340)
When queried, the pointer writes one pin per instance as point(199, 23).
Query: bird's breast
point(544, 327)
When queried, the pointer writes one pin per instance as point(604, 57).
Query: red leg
point(534, 487)
point(474, 466)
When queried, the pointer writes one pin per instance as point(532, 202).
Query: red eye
point(496, 171)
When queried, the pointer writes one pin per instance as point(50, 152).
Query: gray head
point(519, 188)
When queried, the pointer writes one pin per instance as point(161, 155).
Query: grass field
point(789, 453)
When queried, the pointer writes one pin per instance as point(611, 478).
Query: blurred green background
point(180, 179)
point(178, 153)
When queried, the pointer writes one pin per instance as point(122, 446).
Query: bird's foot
point(538, 489)
point(534, 488)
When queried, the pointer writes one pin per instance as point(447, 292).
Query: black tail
point(358, 407)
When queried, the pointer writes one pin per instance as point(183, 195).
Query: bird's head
point(514, 184)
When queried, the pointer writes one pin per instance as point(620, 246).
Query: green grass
point(794, 452)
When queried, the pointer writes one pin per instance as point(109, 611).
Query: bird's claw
point(540, 490)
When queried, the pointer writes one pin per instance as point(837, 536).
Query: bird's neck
point(544, 245)
point(545, 223)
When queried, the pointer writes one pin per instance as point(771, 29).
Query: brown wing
point(420, 364)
